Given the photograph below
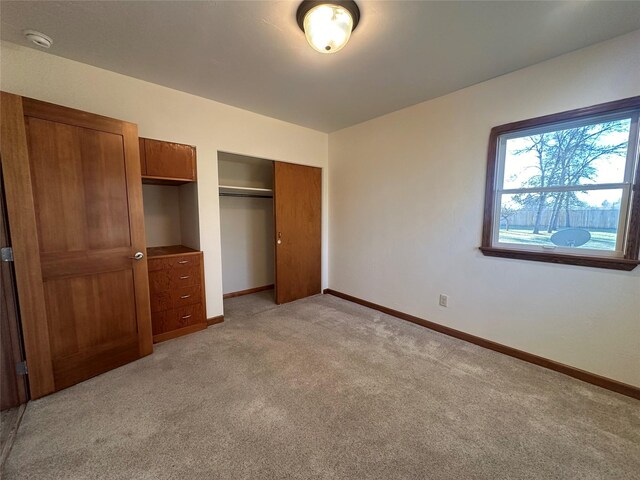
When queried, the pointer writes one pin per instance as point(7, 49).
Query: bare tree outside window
point(567, 158)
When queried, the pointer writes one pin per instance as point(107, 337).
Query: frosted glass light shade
point(328, 27)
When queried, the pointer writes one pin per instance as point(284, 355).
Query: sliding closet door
point(74, 198)
point(297, 210)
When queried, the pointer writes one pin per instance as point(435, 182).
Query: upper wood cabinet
point(167, 163)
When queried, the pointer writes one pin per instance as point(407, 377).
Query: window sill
point(584, 261)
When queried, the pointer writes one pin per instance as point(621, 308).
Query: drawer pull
point(186, 316)
point(182, 262)
point(185, 296)
point(184, 277)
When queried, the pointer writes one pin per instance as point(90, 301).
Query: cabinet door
point(143, 158)
point(74, 199)
point(297, 210)
point(170, 160)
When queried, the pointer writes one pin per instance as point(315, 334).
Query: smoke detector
point(40, 39)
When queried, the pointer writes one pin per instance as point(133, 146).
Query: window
point(565, 189)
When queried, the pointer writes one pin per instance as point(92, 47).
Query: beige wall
point(406, 205)
point(243, 171)
point(162, 215)
point(189, 215)
point(171, 215)
point(168, 114)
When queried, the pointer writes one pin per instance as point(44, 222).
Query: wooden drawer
point(186, 296)
point(172, 278)
point(159, 281)
point(185, 276)
point(177, 318)
point(162, 263)
point(175, 298)
point(185, 261)
point(161, 301)
point(169, 160)
point(176, 285)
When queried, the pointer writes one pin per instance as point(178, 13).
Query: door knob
point(137, 256)
point(279, 238)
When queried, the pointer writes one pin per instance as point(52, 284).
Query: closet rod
point(244, 195)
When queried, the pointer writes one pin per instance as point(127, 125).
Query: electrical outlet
point(444, 300)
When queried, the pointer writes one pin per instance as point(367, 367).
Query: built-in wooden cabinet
point(176, 286)
point(176, 272)
point(166, 163)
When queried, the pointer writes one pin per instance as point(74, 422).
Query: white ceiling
point(251, 54)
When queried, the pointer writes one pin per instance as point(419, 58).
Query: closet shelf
point(228, 190)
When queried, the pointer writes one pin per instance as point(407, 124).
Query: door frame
point(22, 219)
point(21, 210)
point(11, 341)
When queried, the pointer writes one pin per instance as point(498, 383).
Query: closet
point(270, 223)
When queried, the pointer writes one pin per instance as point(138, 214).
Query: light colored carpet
point(9, 421)
point(325, 389)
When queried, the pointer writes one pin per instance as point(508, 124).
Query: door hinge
point(21, 368)
point(7, 254)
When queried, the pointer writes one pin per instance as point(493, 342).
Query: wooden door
point(13, 387)
point(297, 210)
point(74, 198)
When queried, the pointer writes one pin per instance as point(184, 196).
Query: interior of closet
point(246, 224)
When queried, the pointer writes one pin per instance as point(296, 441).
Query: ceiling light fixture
point(40, 39)
point(328, 24)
